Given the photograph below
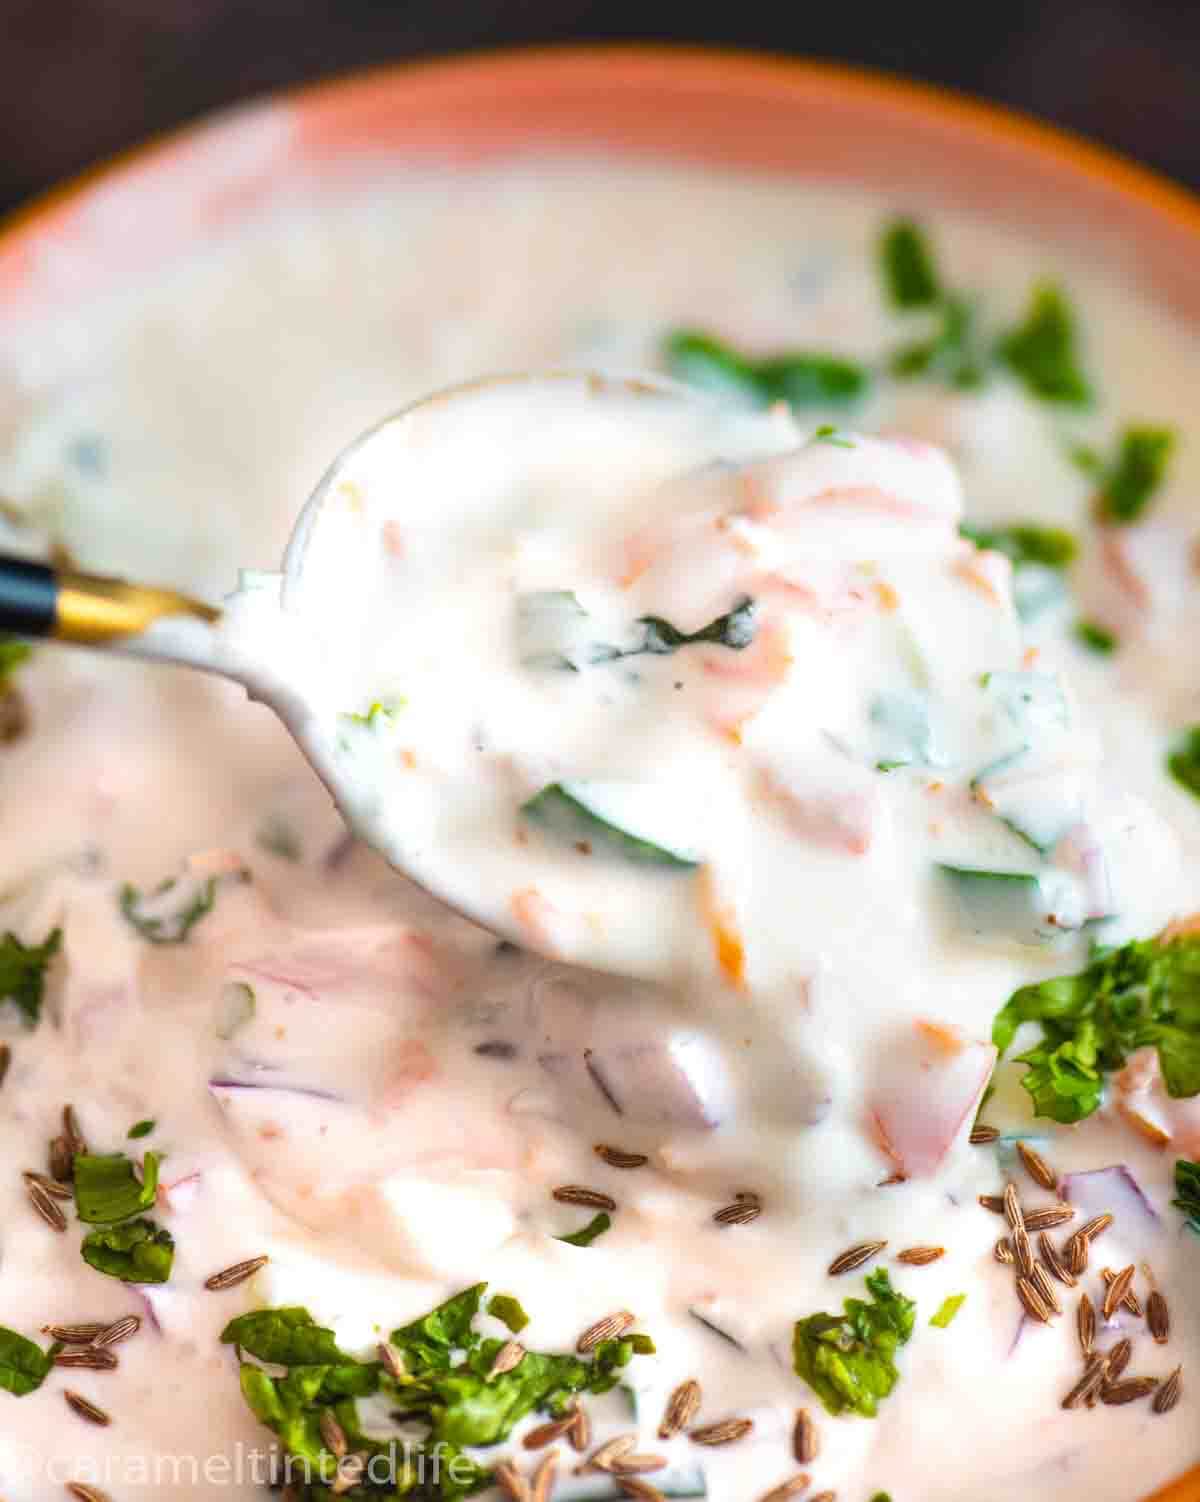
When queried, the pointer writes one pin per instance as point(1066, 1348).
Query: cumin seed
point(333, 1436)
point(1169, 1393)
point(511, 1482)
point(120, 1329)
point(1158, 1318)
point(1048, 1216)
point(1077, 1249)
point(1130, 1301)
point(46, 1206)
point(580, 1194)
point(920, 1256)
point(981, 1135)
point(546, 1434)
point(510, 1355)
point(1088, 1384)
point(638, 1465)
point(88, 1359)
point(682, 1407)
point(1132, 1390)
point(1003, 1251)
point(1118, 1286)
point(230, 1277)
point(74, 1335)
point(1085, 1323)
point(1020, 1240)
point(611, 1327)
point(391, 1360)
point(1012, 1207)
point(723, 1432)
point(1050, 1257)
point(633, 1486)
point(1117, 1359)
point(992, 1202)
point(855, 1256)
point(740, 1213)
point(60, 1160)
point(579, 1432)
point(1034, 1304)
point(76, 1141)
point(806, 1440)
point(52, 1187)
point(1040, 1279)
point(1095, 1227)
point(617, 1157)
point(84, 1493)
point(86, 1410)
point(543, 1478)
point(612, 1450)
point(349, 1473)
point(788, 1489)
point(1037, 1168)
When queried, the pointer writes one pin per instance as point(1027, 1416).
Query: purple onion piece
point(1113, 1191)
point(313, 1092)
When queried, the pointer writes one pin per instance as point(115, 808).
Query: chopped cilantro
point(827, 433)
point(508, 1311)
point(1187, 1188)
point(1096, 637)
point(949, 1309)
point(24, 1366)
point(950, 354)
point(849, 1359)
point(1183, 760)
point(138, 1251)
point(1041, 350)
point(800, 378)
point(107, 1189)
point(587, 1234)
point(1128, 484)
point(169, 913)
point(380, 712)
point(23, 972)
point(448, 1391)
point(909, 271)
point(1025, 543)
point(1145, 993)
point(141, 1129)
point(736, 630)
point(13, 652)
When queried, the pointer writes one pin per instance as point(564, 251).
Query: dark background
point(80, 79)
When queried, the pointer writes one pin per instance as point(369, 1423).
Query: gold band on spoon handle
point(92, 610)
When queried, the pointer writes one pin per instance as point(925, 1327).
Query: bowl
point(128, 219)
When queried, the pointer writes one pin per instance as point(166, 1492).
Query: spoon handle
point(95, 611)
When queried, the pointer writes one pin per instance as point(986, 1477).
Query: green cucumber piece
point(905, 733)
point(1009, 904)
point(605, 815)
point(1033, 701)
point(1036, 589)
point(679, 1481)
point(1038, 809)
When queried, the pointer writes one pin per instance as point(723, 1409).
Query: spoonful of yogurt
point(658, 687)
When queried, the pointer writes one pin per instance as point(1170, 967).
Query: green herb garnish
point(107, 1189)
point(827, 433)
point(1042, 352)
point(1143, 994)
point(950, 354)
point(447, 1389)
point(849, 1359)
point(736, 630)
point(1187, 1188)
point(909, 271)
point(801, 378)
point(1129, 483)
point(13, 652)
point(23, 972)
point(508, 1310)
point(1025, 543)
point(170, 926)
point(949, 1309)
point(141, 1129)
point(1095, 637)
point(380, 712)
point(137, 1251)
point(1183, 760)
point(24, 1366)
point(587, 1234)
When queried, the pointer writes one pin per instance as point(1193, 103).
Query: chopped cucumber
point(679, 1481)
point(1036, 589)
point(1009, 904)
point(631, 820)
point(1032, 701)
point(1039, 806)
point(905, 733)
point(554, 631)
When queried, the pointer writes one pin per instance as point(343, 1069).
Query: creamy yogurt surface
point(895, 786)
